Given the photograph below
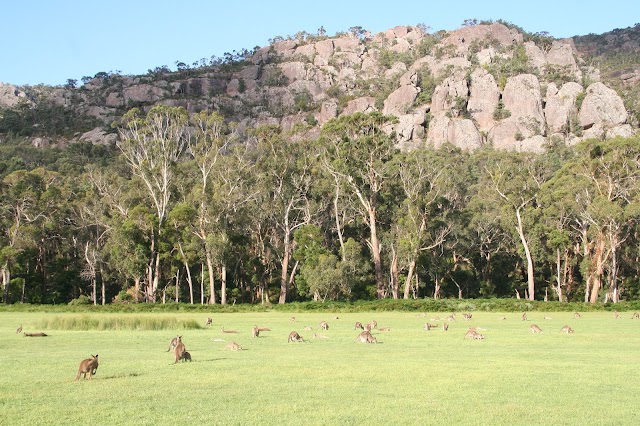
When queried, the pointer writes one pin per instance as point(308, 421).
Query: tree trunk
point(394, 275)
point(599, 259)
point(223, 286)
point(525, 244)
point(284, 272)
point(559, 277)
point(375, 252)
point(212, 290)
point(6, 279)
point(407, 286)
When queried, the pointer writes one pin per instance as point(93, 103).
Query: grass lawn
point(412, 376)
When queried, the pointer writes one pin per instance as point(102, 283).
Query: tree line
point(188, 209)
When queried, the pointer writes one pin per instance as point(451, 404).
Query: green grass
point(513, 377)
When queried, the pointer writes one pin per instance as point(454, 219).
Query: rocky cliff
point(478, 85)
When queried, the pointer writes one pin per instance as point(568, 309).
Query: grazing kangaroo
point(179, 350)
point(467, 316)
point(445, 326)
point(577, 315)
point(566, 329)
point(295, 337)
point(471, 334)
point(233, 346)
point(88, 366)
point(428, 326)
point(535, 329)
point(524, 316)
point(324, 325)
point(19, 330)
point(358, 326)
point(292, 319)
point(635, 316)
point(40, 334)
point(366, 337)
point(209, 321)
point(174, 343)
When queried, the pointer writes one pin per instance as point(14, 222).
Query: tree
point(359, 152)
point(151, 145)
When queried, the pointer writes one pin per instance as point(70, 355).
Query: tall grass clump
point(119, 322)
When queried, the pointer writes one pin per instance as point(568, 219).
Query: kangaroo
point(385, 329)
point(88, 366)
point(566, 329)
point(503, 318)
point(295, 337)
point(373, 324)
point(19, 330)
point(535, 329)
point(255, 331)
point(209, 321)
point(436, 318)
point(577, 315)
point(293, 319)
point(186, 356)
point(179, 350)
point(547, 318)
point(428, 326)
point(40, 334)
point(616, 315)
point(471, 334)
point(366, 337)
point(174, 343)
point(467, 316)
point(524, 316)
point(233, 346)
point(635, 316)
point(228, 331)
point(367, 327)
point(478, 336)
point(320, 336)
point(324, 325)
point(445, 326)
point(358, 326)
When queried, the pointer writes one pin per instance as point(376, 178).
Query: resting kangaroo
point(366, 337)
point(535, 329)
point(295, 337)
point(566, 329)
point(88, 366)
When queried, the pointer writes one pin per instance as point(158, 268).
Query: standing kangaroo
point(524, 316)
point(19, 330)
point(88, 366)
point(295, 337)
point(255, 331)
point(445, 326)
point(174, 343)
point(535, 329)
point(366, 337)
point(358, 326)
point(209, 321)
point(179, 350)
point(567, 329)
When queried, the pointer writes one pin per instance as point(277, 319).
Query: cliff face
point(482, 84)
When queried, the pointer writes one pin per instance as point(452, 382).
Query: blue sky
point(50, 41)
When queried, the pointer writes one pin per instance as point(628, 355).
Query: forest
point(183, 209)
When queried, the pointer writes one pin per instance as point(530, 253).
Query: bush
point(81, 300)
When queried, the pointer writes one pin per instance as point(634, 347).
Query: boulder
point(144, 93)
point(521, 96)
point(560, 104)
point(98, 136)
point(445, 94)
point(10, 95)
point(459, 132)
point(400, 100)
point(602, 106)
point(365, 104)
point(483, 98)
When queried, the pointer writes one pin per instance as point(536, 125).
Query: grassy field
point(411, 376)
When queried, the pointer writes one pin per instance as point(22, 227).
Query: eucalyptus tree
point(606, 182)
point(21, 211)
point(514, 180)
point(284, 179)
point(358, 152)
point(219, 188)
point(151, 145)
